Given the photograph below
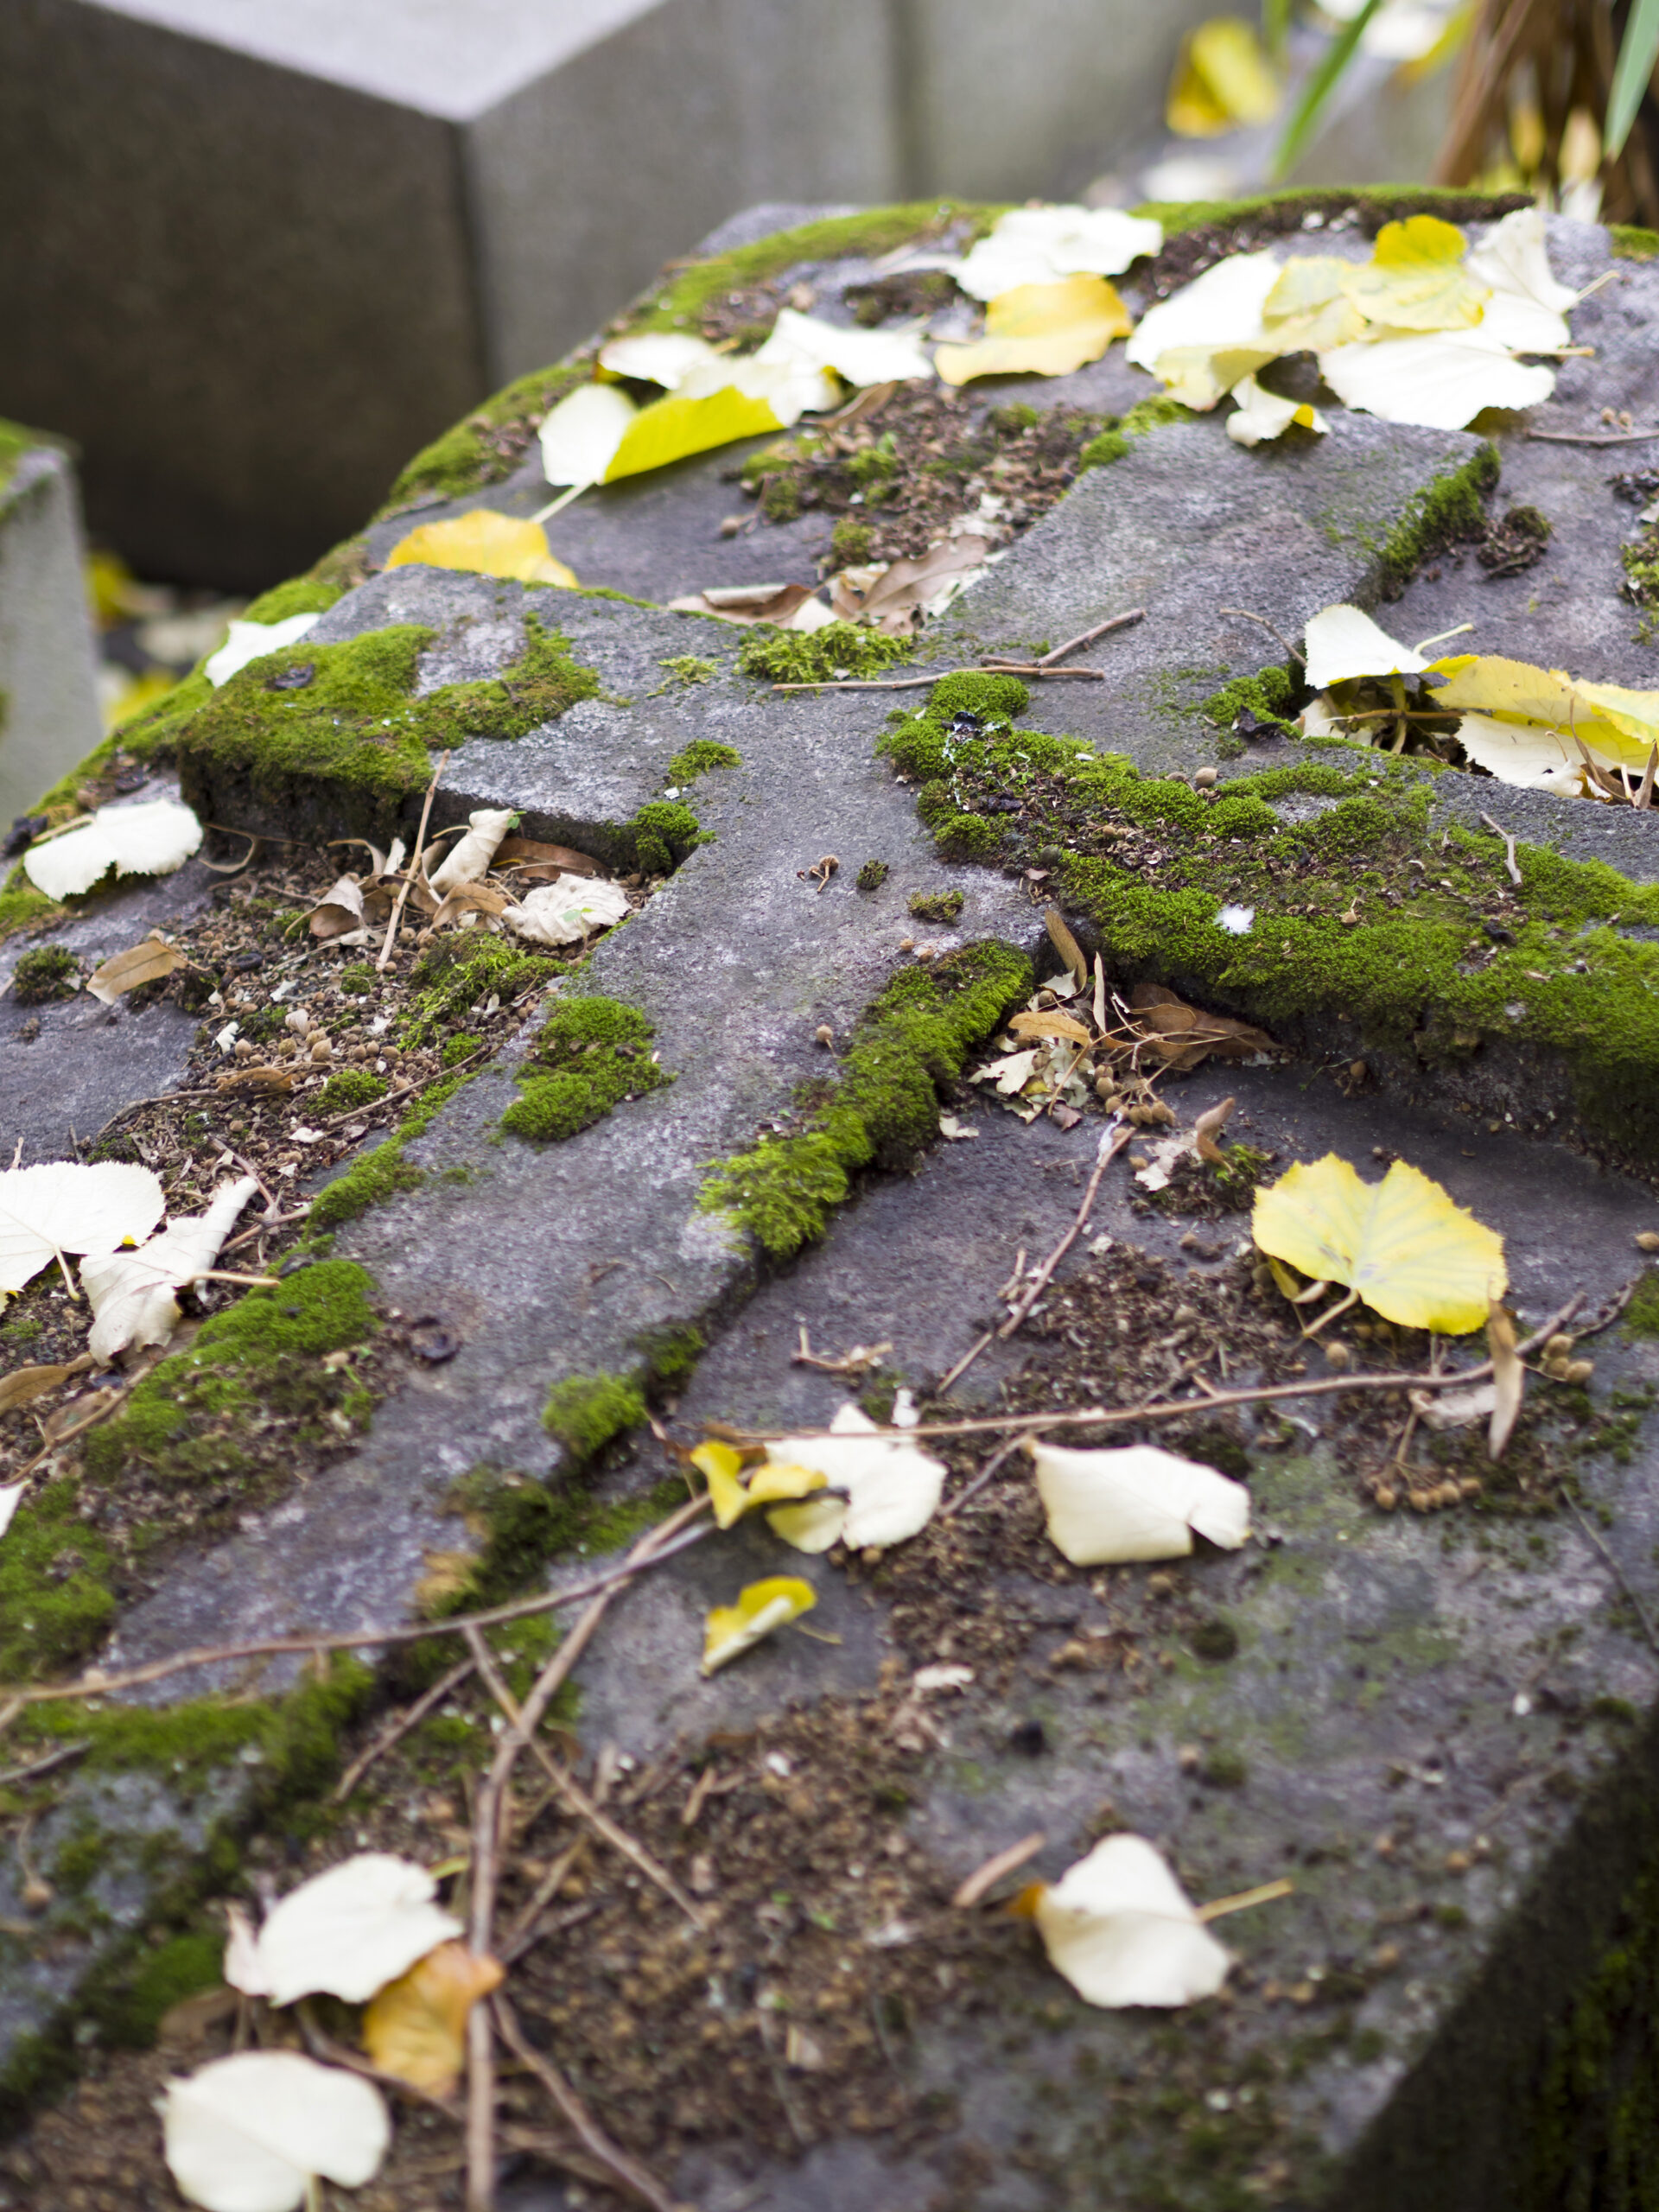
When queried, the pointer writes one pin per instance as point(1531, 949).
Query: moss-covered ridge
point(1367, 935)
point(885, 1110)
point(590, 1056)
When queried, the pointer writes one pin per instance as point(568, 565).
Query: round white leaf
point(1043, 245)
point(1440, 380)
point(790, 387)
point(152, 839)
point(566, 910)
point(1220, 311)
point(353, 1929)
point(252, 641)
point(892, 1489)
point(1343, 642)
point(1138, 1502)
point(62, 1206)
point(581, 434)
point(863, 357)
point(1118, 1926)
point(661, 356)
point(131, 1293)
point(244, 2133)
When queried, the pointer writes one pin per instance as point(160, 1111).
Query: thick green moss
point(1642, 1314)
point(51, 971)
point(687, 669)
point(535, 689)
point(886, 1109)
point(55, 1600)
point(590, 1056)
point(1374, 204)
point(461, 970)
point(1449, 511)
point(372, 1177)
point(1352, 924)
point(350, 1088)
point(871, 877)
point(1269, 697)
point(936, 905)
point(818, 655)
point(585, 1412)
point(1114, 441)
point(15, 442)
point(1632, 243)
point(663, 834)
point(698, 758)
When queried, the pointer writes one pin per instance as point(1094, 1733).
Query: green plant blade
point(1275, 25)
point(1637, 53)
point(1320, 86)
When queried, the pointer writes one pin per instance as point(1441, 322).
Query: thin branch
point(956, 1504)
point(410, 1717)
point(987, 1876)
point(1624, 1580)
point(61, 1757)
point(1244, 615)
point(1595, 438)
point(1087, 637)
point(1487, 822)
point(626, 2172)
point(1107, 1151)
point(414, 864)
point(95, 1683)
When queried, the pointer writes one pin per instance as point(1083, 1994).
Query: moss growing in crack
point(486, 445)
point(374, 1177)
point(1114, 441)
point(687, 669)
point(819, 656)
point(1268, 700)
point(936, 905)
point(886, 1109)
point(1149, 861)
point(584, 1412)
point(460, 972)
point(671, 1352)
point(1449, 511)
point(521, 1524)
point(537, 688)
point(1642, 1314)
point(348, 1089)
point(590, 1056)
point(55, 1600)
point(51, 971)
point(663, 834)
point(699, 757)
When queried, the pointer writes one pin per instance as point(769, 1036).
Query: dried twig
point(414, 868)
point(1624, 1580)
point(1111, 1143)
point(1487, 822)
point(987, 1877)
point(1594, 437)
point(1266, 1893)
point(1012, 1444)
point(625, 2172)
point(965, 1361)
point(410, 1717)
point(1043, 670)
point(1273, 630)
point(61, 1757)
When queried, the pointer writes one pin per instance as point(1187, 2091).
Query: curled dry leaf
point(11, 1497)
point(894, 596)
point(242, 1968)
point(132, 1294)
point(154, 838)
point(485, 544)
point(730, 1631)
point(1044, 330)
point(352, 1930)
point(1509, 1381)
point(338, 913)
point(790, 606)
point(254, 1077)
point(1403, 1245)
point(1121, 1931)
point(530, 852)
point(769, 1484)
point(892, 1488)
point(1264, 415)
point(1050, 1024)
point(145, 962)
point(1043, 245)
point(252, 641)
point(1208, 1127)
point(469, 860)
point(415, 2028)
point(1136, 1502)
point(1343, 644)
point(62, 1206)
point(1446, 1409)
point(249, 2133)
point(24, 1384)
point(1183, 1036)
point(566, 909)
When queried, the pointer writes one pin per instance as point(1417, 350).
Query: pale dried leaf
point(790, 606)
point(1041, 245)
point(1121, 1930)
point(352, 1930)
point(862, 357)
point(580, 436)
point(133, 1292)
point(62, 1206)
point(25, 1384)
point(1210, 330)
point(470, 860)
point(663, 356)
point(564, 911)
point(1440, 380)
point(1138, 1502)
point(892, 1488)
point(11, 1497)
point(1264, 414)
point(154, 838)
point(246, 2134)
point(252, 641)
point(1509, 1381)
point(904, 591)
point(415, 2029)
point(339, 912)
point(1343, 642)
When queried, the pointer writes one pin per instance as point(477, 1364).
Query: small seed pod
point(1647, 1240)
point(1105, 1090)
point(1449, 1493)
point(1472, 1486)
point(1421, 1501)
point(824, 1033)
point(1557, 1348)
point(1579, 1370)
point(1387, 1497)
point(1158, 1116)
point(1205, 778)
point(1339, 1358)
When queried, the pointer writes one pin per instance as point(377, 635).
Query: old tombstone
point(48, 699)
point(1434, 1725)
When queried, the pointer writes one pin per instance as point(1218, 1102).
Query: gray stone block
point(256, 256)
point(48, 698)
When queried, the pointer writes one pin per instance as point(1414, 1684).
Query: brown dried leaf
point(1509, 1380)
point(894, 601)
point(144, 962)
point(1208, 1128)
point(257, 1078)
point(339, 912)
point(1053, 1024)
point(1067, 946)
point(469, 899)
point(415, 2028)
point(513, 852)
point(1184, 1035)
point(27, 1383)
point(779, 603)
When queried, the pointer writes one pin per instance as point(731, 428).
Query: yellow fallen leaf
point(489, 543)
point(1222, 79)
point(415, 2028)
point(730, 1631)
point(769, 1484)
point(1403, 1245)
point(1043, 330)
point(1635, 715)
point(1415, 279)
point(1616, 726)
point(1309, 309)
point(670, 429)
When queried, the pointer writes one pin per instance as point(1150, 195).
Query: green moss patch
point(462, 970)
point(886, 1109)
point(1119, 432)
point(585, 1412)
point(374, 1177)
point(487, 444)
point(936, 905)
point(51, 971)
point(663, 834)
point(299, 596)
point(590, 1056)
point(819, 656)
point(871, 877)
point(350, 1088)
point(1632, 243)
point(699, 757)
point(1367, 934)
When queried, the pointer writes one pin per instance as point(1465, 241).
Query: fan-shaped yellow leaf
point(1615, 725)
point(769, 1484)
point(1415, 279)
point(730, 1630)
point(670, 429)
point(1044, 330)
point(1635, 715)
point(1308, 311)
point(489, 543)
point(415, 2028)
point(1222, 78)
point(1412, 1252)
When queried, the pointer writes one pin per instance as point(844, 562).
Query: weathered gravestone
point(1439, 1725)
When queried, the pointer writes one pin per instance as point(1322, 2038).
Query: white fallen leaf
point(955, 1131)
point(1527, 305)
point(133, 1292)
point(469, 860)
point(352, 1930)
point(1265, 415)
point(1138, 1502)
point(1527, 753)
point(1439, 380)
point(1320, 717)
point(663, 357)
point(862, 357)
point(566, 909)
point(242, 1969)
point(791, 387)
point(1237, 921)
point(1121, 1930)
point(1162, 1156)
point(151, 839)
point(926, 1680)
point(62, 1206)
point(1040, 245)
point(580, 436)
point(1444, 1409)
point(789, 606)
point(1218, 313)
point(1012, 1071)
point(247, 2133)
point(11, 1497)
point(1342, 643)
point(252, 641)
point(893, 1489)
